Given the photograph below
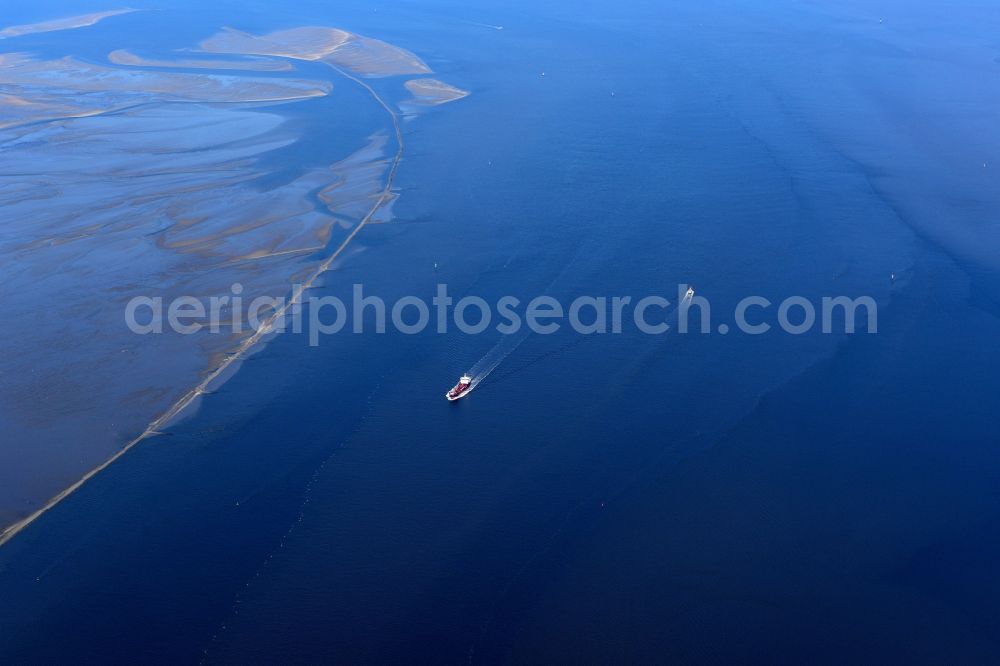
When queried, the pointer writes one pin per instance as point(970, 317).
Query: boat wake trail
point(481, 25)
point(509, 344)
point(494, 357)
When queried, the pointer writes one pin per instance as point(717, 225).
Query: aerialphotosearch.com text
point(321, 316)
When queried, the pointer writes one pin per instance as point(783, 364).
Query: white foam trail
point(494, 357)
point(481, 25)
point(509, 343)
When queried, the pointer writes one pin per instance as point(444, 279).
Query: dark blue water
point(701, 498)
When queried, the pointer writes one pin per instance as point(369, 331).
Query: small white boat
point(690, 293)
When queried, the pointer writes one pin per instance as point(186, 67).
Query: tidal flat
point(121, 179)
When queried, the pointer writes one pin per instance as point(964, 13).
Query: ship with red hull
point(461, 389)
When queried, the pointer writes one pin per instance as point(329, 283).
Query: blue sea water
point(631, 498)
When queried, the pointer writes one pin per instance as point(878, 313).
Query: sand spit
point(68, 74)
point(250, 64)
point(33, 90)
point(373, 58)
point(362, 56)
point(69, 23)
point(311, 43)
point(433, 92)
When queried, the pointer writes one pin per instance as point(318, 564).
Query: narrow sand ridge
point(69, 74)
point(34, 90)
point(249, 64)
point(69, 23)
point(231, 361)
